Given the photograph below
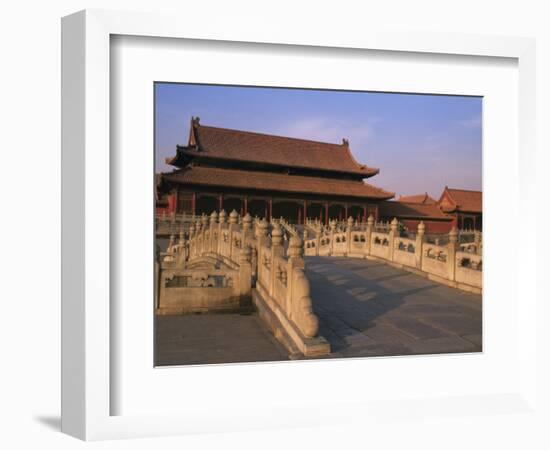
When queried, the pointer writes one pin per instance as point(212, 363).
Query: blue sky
point(420, 143)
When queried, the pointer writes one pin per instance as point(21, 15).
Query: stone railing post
point(418, 250)
point(204, 227)
point(198, 238)
point(212, 245)
point(295, 260)
point(331, 234)
point(261, 241)
point(245, 272)
point(180, 259)
point(261, 233)
point(277, 250)
point(370, 226)
point(451, 253)
point(348, 235)
point(221, 225)
point(477, 241)
point(247, 227)
point(391, 236)
point(233, 219)
point(191, 241)
point(299, 304)
point(317, 243)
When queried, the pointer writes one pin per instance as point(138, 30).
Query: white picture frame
point(87, 386)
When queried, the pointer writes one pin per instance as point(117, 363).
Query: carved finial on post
point(350, 222)
point(223, 216)
point(233, 217)
point(198, 226)
point(247, 222)
point(181, 236)
point(370, 221)
point(276, 236)
point(393, 225)
point(261, 229)
point(213, 218)
point(191, 230)
point(295, 247)
point(332, 225)
point(421, 228)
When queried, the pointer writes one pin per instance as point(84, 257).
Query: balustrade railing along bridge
point(230, 263)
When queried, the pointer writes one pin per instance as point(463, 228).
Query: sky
point(420, 143)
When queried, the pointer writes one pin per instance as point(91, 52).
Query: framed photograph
point(269, 230)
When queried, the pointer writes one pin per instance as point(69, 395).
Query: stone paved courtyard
point(214, 339)
point(365, 308)
point(368, 308)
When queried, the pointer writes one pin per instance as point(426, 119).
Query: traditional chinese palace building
point(464, 206)
point(268, 176)
point(458, 208)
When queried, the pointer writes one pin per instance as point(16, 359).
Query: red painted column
point(346, 211)
point(305, 211)
point(326, 213)
point(364, 213)
point(221, 202)
point(270, 208)
point(299, 215)
point(194, 203)
point(245, 205)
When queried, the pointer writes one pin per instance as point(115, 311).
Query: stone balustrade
point(172, 223)
point(247, 258)
point(455, 264)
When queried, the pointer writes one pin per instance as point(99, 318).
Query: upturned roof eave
point(185, 150)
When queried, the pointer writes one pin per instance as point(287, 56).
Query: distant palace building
point(268, 176)
point(458, 208)
point(276, 176)
point(464, 206)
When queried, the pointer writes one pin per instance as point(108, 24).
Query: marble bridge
point(273, 302)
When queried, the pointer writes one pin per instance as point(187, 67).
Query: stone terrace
point(368, 308)
point(365, 308)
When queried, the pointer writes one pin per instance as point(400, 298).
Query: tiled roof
point(466, 201)
point(274, 182)
point(420, 198)
point(411, 210)
point(237, 145)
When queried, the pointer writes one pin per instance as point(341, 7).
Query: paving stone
point(358, 339)
point(459, 324)
point(447, 344)
point(476, 339)
point(413, 327)
point(214, 339)
point(384, 332)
